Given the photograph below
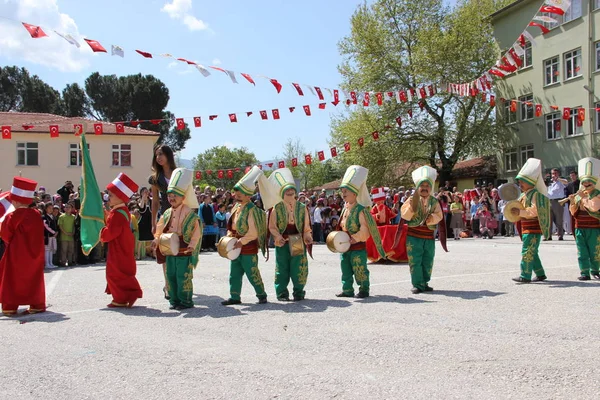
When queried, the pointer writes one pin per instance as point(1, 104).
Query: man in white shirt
point(556, 192)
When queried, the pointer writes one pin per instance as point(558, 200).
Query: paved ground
point(477, 335)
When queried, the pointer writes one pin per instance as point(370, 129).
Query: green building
point(562, 68)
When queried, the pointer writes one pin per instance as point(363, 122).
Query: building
point(32, 153)
point(562, 68)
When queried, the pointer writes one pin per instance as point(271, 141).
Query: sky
point(285, 40)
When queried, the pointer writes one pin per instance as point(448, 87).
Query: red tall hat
point(4, 203)
point(123, 187)
point(378, 194)
point(22, 190)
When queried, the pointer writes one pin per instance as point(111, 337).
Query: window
point(572, 64)
point(553, 123)
point(510, 160)
point(121, 155)
point(27, 153)
point(597, 55)
point(596, 4)
point(526, 103)
point(526, 153)
point(551, 71)
point(551, 25)
point(75, 154)
point(572, 128)
point(509, 116)
point(572, 12)
point(598, 115)
point(527, 58)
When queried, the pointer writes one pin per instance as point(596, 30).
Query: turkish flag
point(308, 159)
point(54, 131)
point(35, 31)
point(422, 104)
point(270, 165)
point(399, 122)
point(353, 97)
point(379, 96)
point(492, 100)
point(232, 118)
point(180, 123)
point(538, 110)
point(431, 89)
point(27, 127)
point(566, 113)
point(557, 125)
point(292, 109)
point(413, 93)
point(294, 162)
point(275, 113)
point(134, 123)
point(306, 110)
point(209, 172)
point(298, 89)
point(410, 112)
point(237, 169)
point(276, 84)
point(78, 129)
point(361, 142)
point(248, 113)
point(248, 78)
point(6, 132)
point(581, 114)
point(321, 155)
point(333, 152)
point(148, 55)
point(579, 122)
point(230, 173)
point(212, 117)
point(336, 97)
point(95, 46)
point(322, 106)
point(248, 168)
point(220, 174)
point(513, 106)
point(281, 164)
point(319, 93)
point(403, 96)
point(422, 92)
point(375, 135)
point(98, 130)
point(197, 122)
point(155, 121)
point(263, 114)
point(347, 146)
point(120, 127)
point(367, 99)
point(198, 175)
point(484, 97)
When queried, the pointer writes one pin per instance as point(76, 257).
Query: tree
point(401, 44)
point(170, 135)
point(76, 102)
point(12, 84)
point(21, 92)
point(223, 158)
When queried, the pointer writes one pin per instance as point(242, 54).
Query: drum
point(509, 191)
point(296, 244)
point(226, 250)
point(338, 242)
point(168, 244)
point(511, 205)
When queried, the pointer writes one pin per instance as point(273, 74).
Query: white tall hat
point(589, 170)
point(181, 184)
point(355, 180)
point(424, 174)
point(247, 184)
point(272, 190)
point(532, 174)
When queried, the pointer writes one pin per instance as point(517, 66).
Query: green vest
point(241, 225)
point(594, 193)
point(282, 220)
point(542, 204)
point(353, 225)
point(187, 231)
point(421, 214)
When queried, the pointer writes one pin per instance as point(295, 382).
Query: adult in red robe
point(382, 214)
point(121, 282)
point(22, 266)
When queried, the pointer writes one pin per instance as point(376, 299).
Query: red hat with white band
point(123, 187)
point(378, 194)
point(4, 203)
point(22, 190)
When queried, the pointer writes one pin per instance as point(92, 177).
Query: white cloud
point(216, 61)
point(182, 10)
point(229, 145)
point(52, 51)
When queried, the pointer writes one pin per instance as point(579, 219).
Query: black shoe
point(549, 239)
point(298, 298)
point(518, 279)
point(596, 276)
point(166, 293)
point(343, 294)
point(362, 295)
point(540, 278)
point(416, 290)
point(560, 238)
point(428, 289)
point(283, 298)
point(230, 302)
point(584, 278)
point(262, 301)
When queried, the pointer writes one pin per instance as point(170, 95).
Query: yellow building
point(32, 153)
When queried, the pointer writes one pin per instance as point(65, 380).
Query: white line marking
point(53, 282)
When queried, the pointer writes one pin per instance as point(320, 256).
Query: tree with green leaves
point(22, 92)
point(223, 158)
point(402, 44)
point(76, 103)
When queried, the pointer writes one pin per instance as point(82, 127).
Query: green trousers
point(288, 267)
point(354, 267)
point(530, 260)
point(180, 273)
point(420, 260)
point(245, 264)
point(588, 250)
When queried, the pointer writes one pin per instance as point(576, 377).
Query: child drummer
point(180, 219)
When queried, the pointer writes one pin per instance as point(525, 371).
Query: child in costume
point(248, 225)
point(356, 220)
point(121, 282)
point(381, 212)
point(180, 219)
point(22, 266)
point(585, 209)
point(535, 219)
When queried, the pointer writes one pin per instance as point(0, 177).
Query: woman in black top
point(163, 164)
point(50, 234)
point(145, 222)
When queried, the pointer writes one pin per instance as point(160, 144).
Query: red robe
point(22, 266)
point(389, 214)
point(120, 262)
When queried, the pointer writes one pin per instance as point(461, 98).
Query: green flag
point(91, 212)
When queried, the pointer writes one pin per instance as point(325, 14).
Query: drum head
point(509, 191)
point(168, 243)
point(226, 250)
point(511, 205)
point(338, 242)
